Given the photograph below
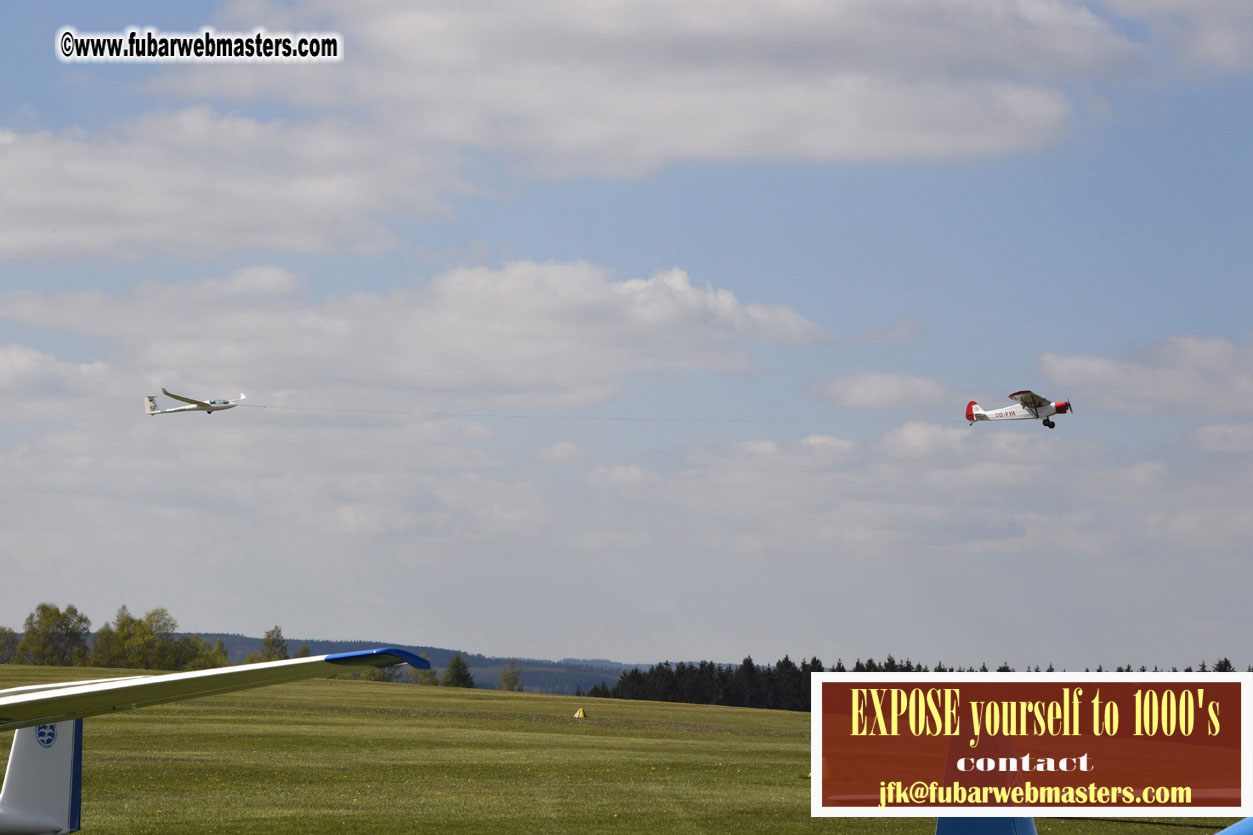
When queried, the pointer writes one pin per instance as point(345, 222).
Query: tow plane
point(1027, 405)
point(206, 406)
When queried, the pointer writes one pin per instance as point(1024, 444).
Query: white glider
point(1027, 406)
point(42, 790)
point(206, 406)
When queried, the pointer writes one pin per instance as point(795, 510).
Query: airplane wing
point(23, 707)
point(1029, 399)
point(185, 399)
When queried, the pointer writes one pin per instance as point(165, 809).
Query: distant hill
point(537, 676)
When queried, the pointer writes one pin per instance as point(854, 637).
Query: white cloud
point(526, 333)
point(369, 520)
point(304, 505)
point(1206, 35)
point(925, 440)
point(562, 452)
point(197, 179)
point(932, 515)
point(235, 515)
point(1178, 373)
point(1225, 437)
point(629, 475)
point(906, 330)
point(626, 86)
point(827, 445)
point(873, 389)
point(940, 490)
point(554, 88)
point(611, 541)
point(39, 386)
point(1131, 483)
point(1193, 526)
point(24, 370)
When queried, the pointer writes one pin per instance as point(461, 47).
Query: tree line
point(53, 636)
point(784, 686)
point(63, 637)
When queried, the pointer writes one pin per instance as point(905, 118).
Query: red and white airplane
point(206, 406)
point(1027, 406)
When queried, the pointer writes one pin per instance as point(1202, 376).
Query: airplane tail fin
point(151, 404)
point(973, 412)
point(43, 784)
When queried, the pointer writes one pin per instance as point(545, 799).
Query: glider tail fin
point(973, 412)
point(150, 403)
point(43, 784)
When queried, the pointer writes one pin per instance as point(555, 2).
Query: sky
point(640, 330)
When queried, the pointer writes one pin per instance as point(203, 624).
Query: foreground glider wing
point(42, 793)
point(44, 704)
point(200, 403)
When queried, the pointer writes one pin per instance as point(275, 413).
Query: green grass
point(347, 756)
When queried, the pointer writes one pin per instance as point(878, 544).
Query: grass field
point(347, 756)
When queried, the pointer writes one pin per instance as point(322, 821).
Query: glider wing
point(43, 704)
point(42, 791)
point(185, 399)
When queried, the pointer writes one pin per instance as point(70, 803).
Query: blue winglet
point(1244, 827)
point(985, 826)
point(383, 657)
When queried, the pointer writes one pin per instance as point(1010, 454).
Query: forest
point(785, 686)
point(64, 638)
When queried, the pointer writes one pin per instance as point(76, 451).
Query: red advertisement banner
point(1000, 743)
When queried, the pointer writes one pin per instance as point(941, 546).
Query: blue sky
point(831, 225)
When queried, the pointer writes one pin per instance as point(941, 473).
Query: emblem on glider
point(46, 735)
point(206, 406)
point(1027, 406)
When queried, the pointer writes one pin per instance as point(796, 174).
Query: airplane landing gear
point(1049, 423)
